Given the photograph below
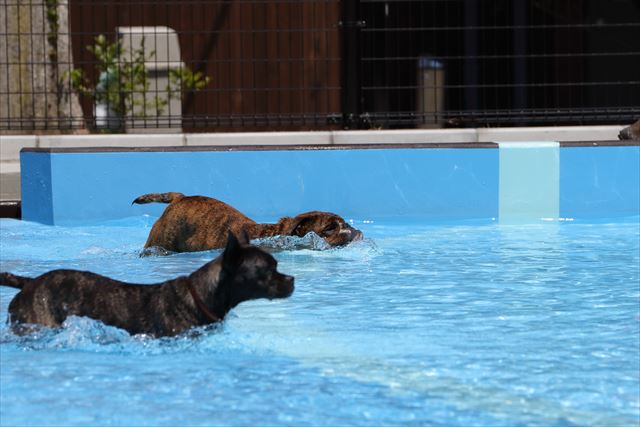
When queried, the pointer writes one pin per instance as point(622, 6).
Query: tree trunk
point(35, 55)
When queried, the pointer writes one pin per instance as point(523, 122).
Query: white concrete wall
point(10, 147)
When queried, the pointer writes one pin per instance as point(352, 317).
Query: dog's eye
point(266, 272)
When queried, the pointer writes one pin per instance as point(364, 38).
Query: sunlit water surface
point(419, 324)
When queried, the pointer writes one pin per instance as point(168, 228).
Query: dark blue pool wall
point(37, 187)
point(435, 183)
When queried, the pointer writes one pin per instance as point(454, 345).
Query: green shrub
point(124, 84)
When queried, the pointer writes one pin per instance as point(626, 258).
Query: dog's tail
point(158, 198)
point(8, 279)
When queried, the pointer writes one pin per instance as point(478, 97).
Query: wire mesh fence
point(222, 65)
point(475, 63)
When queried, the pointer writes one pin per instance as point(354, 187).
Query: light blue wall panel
point(599, 181)
point(361, 184)
point(529, 181)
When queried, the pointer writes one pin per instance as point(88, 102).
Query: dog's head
point(252, 272)
point(331, 227)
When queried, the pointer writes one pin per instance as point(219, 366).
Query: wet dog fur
point(242, 272)
point(198, 223)
point(631, 132)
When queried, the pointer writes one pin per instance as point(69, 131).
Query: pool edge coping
point(307, 147)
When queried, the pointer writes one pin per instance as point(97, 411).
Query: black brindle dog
point(242, 272)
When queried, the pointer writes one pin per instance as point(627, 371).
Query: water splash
point(88, 335)
point(310, 241)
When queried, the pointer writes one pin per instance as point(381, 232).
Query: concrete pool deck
point(10, 145)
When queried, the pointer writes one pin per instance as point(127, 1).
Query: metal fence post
point(351, 101)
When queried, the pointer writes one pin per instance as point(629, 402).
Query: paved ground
point(10, 186)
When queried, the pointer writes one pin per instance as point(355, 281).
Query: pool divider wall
point(446, 181)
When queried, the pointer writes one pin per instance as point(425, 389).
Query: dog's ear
point(243, 237)
point(301, 225)
point(231, 254)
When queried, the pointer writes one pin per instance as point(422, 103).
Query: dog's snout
point(285, 286)
point(353, 233)
point(288, 280)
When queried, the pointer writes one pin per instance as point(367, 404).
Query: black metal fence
point(222, 65)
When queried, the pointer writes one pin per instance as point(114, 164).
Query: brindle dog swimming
point(199, 223)
point(240, 273)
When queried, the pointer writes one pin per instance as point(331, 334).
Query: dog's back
point(52, 297)
point(194, 223)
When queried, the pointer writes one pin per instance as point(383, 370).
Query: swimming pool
point(422, 323)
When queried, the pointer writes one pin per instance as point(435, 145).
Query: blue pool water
point(419, 324)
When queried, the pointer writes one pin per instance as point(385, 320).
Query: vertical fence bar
point(472, 68)
point(351, 79)
point(519, 59)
